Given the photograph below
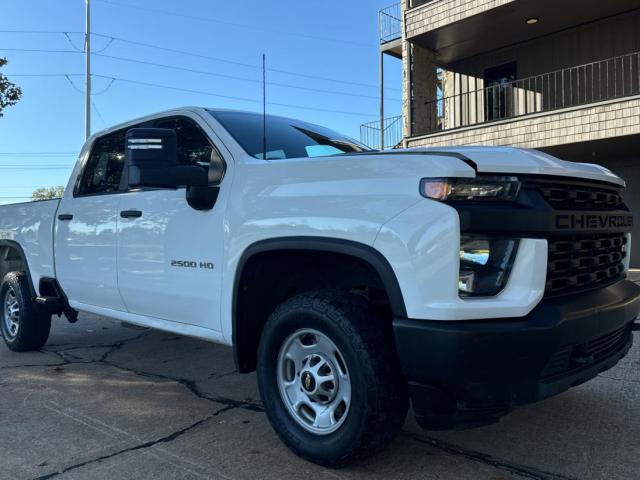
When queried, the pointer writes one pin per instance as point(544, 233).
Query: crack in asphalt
point(521, 470)
point(44, 365)
point(142, 446)
point(254, 406)
point(618, 379)
point(192, 386)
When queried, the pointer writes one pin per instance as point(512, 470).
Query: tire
point(364, 363)
point(24, 327)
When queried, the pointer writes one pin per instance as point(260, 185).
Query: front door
point(85, 236)
point(169, 254)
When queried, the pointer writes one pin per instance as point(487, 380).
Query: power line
point(46, 32)
point(95, 107)
point(229, 97)
point(233, 24)
point(199, 92)
point(46, 74)
point(37, 50)
point(196, 55)
point(175, 50)
point(67, 35)
point(237, 63)
point(34, 154)
point(73, 85)
point(234, 77)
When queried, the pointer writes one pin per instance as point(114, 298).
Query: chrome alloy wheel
point(314, 382)
point(11, 312)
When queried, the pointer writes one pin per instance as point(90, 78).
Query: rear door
point(169, 254)
point(85, 236)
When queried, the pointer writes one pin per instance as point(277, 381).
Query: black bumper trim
point(464, 373)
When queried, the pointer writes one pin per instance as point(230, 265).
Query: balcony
point(390, 30)
point(468, 102)
point(391, 138)
point(459, 29)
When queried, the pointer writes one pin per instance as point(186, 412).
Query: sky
point(322, 66)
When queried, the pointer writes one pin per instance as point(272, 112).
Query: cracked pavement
point(104, 400)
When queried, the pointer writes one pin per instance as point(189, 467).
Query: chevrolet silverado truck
point(465, 281)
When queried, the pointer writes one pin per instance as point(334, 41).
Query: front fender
point(422, 245)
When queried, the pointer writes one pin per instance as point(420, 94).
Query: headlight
point(485, 265)
point(480, 188)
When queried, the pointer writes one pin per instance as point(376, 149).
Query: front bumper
point(469, 373)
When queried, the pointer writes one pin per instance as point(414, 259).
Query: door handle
point(65, 217)
point(131, 214)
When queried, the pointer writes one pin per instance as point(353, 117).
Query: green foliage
point(9, 92)
point(47, 193)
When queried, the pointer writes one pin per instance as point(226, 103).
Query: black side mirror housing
point(152, 161)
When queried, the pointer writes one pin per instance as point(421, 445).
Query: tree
point(9, 92)
point(47, 193)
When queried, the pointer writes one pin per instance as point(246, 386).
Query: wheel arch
point(362, 255)
point(12, 255)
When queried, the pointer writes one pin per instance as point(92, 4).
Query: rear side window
point(103, 171)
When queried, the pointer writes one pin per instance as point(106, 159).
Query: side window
point(194, 147)
point(103, 170)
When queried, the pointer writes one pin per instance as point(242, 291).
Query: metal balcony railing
point(476, 103)
point(370, 133)
point(390, 23)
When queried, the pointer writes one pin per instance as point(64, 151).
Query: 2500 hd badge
point(192, 264)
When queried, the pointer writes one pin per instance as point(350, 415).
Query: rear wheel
point(329, 378)
point(24, 327)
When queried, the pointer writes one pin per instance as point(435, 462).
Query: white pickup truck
point(468, 280)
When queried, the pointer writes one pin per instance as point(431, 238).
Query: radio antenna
point(264, 107)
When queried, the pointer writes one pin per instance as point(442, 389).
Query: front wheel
point(24, 327)
point(329, 378)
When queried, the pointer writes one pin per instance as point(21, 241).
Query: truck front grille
point(576, 195)
point(581, 262)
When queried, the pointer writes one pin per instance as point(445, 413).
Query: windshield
point(286, 138)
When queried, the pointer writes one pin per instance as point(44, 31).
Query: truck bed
point(29, 226)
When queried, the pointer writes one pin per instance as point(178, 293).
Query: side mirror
point(152, 160)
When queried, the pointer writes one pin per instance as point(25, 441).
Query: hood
point(501, 160)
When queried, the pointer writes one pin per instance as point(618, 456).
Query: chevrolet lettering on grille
point(593, 222)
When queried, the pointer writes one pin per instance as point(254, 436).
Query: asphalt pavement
point(107, 401)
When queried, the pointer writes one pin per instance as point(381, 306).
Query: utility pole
point(381, 100)
point(87, 88)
